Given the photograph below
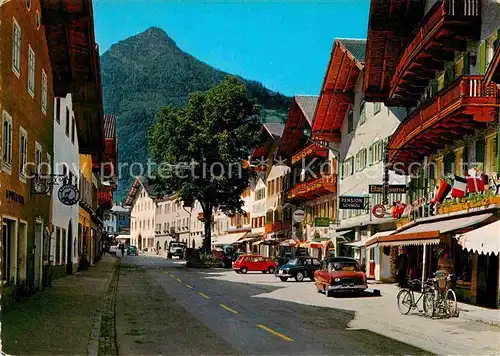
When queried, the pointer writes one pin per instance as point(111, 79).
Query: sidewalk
point(467, 311)
point(59, 320)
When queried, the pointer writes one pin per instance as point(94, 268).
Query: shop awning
point(356, 244)
point(372, 240)
point(485, 240)
point(305, 244)
point(318, 244)
point(428, 233)
point(229, 238)
point(256, 243)
point(246, 239)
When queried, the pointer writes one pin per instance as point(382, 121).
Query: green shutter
point(448, 161)
point(482, 58)
point(466, 70)
point(480, 152)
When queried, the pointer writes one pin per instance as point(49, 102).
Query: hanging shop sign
point(393, 189)
point(68, 194)
point(322, 222)
point(379, 211)
point(299, 215)
point(347, 202)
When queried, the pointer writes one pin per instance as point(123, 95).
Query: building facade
point(26, 105)
point(117, 220)
point(447, 143)
point(66, 163)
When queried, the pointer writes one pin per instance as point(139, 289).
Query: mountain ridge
point(147, 71)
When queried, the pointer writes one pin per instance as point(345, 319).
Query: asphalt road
point(165, 308)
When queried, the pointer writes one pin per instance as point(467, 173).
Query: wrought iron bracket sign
point(68, 194)
point(393, 189)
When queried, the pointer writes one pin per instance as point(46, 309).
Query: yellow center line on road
point(204, 295)
point(228, 309)
point(172, 276)
point(190, 287)
point(178, 280)
point(274, 332)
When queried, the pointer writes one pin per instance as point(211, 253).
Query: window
point(362, 114)
point(350, 122)
point(73, 130)
point(362, 159)
point(16, 48)
point(44, 92)
point(348, 167)
point(38, 157)
point(491, 154)
point(31, 71)
point(377, 151)
point(67, 121)
point(7, 140)
point(28, 4)
point(370, 155)
point(23, 153)
point(58, 110)
point(480, 154)
point(377, 107)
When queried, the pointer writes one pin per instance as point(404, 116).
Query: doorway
point(139, 243)
point(487, 280)
point(69, 264)
point(6, 251)
point(38, 254)
point(22, 251)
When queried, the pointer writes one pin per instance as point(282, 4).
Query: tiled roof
point(357, 47)
point(109, 126)
point(307, 104)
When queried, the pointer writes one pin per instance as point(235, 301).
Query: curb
point(479, 319)
point(94, 337)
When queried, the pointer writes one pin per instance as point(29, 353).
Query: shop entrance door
point(487, 280)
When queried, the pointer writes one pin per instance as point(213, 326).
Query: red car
point(249, 262)
point(340, 274)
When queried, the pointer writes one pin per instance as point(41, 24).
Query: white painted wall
point(378, 126)
point(65, 152)
point(142, 219)
point(259, 207)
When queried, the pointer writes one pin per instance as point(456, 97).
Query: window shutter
point(466, 68)
point(480, 152)
point(370, 157)
point(482, 58)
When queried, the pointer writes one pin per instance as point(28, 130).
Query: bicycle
point(406, 298)
point(445, 299)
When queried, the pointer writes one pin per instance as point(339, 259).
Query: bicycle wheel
point(405, 301)
point(451, 303)
point(429, 303)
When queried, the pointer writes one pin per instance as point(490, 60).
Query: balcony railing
point(310, 150)
point(465, 99)
point(314, 188)
point(445, 29)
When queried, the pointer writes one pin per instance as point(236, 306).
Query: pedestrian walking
point(402, 268)
point(122, 249)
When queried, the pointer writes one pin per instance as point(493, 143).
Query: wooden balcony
point(458, 110)
point(105, 199)
point(444, 30)
point(312, 150)
point(314, 188)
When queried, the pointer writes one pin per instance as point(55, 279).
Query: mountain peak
point(156, 34)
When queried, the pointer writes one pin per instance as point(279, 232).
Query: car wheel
point(299, 277)
point(284, 279)
point(264, 272)
point(238, 272)
point(271, 269)
point(243, 270)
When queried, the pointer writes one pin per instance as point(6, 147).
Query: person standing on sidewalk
point(122, 249)
point(402, 268)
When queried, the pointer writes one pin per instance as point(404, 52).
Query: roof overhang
point(390, 21)
point(293, 134)
point(74, 56)
point(337, 93)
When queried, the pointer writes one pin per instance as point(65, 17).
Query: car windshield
point(293, 262)
point(343, 266)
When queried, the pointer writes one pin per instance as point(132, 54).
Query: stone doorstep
point(467, 311)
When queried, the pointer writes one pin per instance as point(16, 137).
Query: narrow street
point(161, 305)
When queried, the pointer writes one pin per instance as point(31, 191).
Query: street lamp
point(307, 133)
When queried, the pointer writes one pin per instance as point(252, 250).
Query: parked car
point(132, 251)
point(250, 262)
point(298, 268)
point(340, 274)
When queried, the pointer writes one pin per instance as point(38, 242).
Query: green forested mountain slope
point(148, 71)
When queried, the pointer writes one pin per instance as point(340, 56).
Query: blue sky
point(285, 45)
